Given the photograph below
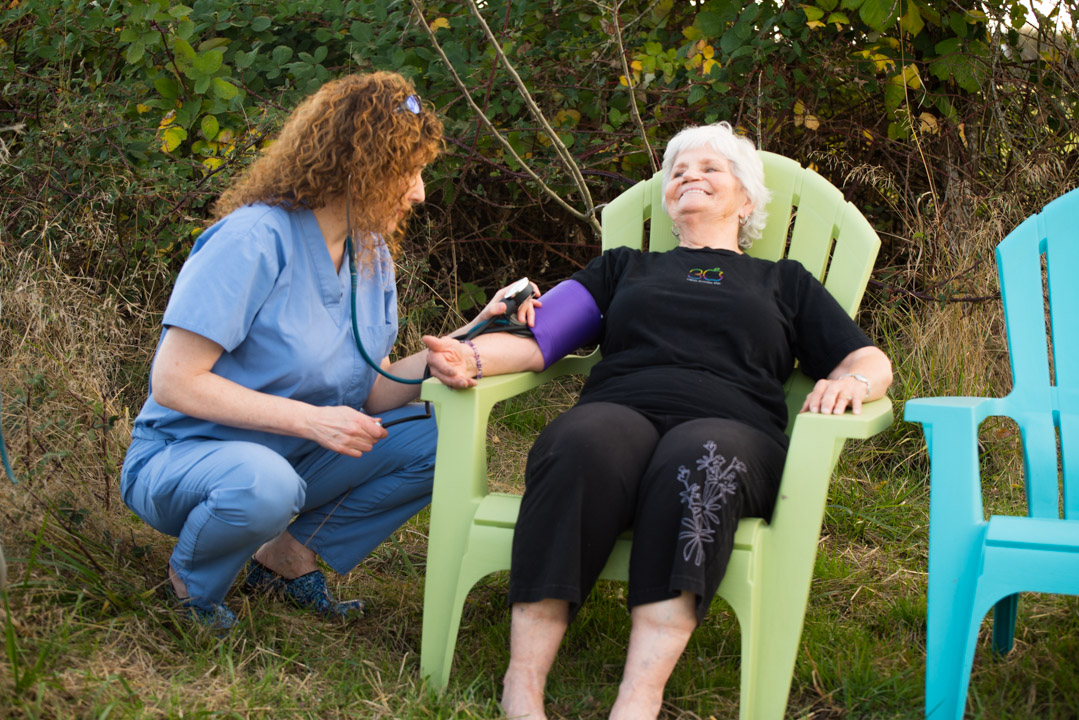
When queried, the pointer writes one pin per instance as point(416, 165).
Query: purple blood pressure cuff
point(568, 319)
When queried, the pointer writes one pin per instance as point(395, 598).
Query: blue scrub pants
point(223, 499)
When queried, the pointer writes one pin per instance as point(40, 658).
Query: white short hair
point(745, 165)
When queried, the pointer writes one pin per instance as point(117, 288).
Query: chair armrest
point(875, 417)
point(951, 425)
point(948, 410)
point(491, 390)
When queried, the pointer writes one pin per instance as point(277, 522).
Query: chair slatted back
point(1041, 309)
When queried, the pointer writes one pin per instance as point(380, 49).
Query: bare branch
point(588, 216)
point(556, 141)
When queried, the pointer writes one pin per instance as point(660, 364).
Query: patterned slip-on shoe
point(310, 592)
point(307, 591)
point(261, 579)
point(217, 618)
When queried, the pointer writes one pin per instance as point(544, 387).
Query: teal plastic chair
point(977, 564)
point(768, 578)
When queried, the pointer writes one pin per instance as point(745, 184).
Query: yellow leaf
point(814, 24)
point(812, 166)
point(811, 122)
point(636, 66)
point(1051, 56)
point(708, 65)
point(171, 138)
point(963, 134)
point(928, 124)
point(570, 117)
point(911, 77)
point(212, 163)
point(708, 52)
point(868, 135)
point(440, 23)
point(622, 81)
point(167, 120)
point(142, 108)
point(882, 62)
point(799, 107)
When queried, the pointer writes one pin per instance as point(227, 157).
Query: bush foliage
point(134, 114)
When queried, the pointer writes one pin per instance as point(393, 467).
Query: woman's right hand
point(525, 313)
point(344, 430)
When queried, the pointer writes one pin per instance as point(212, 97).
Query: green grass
point(87, 632)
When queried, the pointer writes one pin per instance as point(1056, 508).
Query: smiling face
point(702, 188)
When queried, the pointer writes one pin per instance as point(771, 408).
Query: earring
point(743, 219)
point(674, 230)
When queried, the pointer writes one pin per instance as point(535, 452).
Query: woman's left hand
point(864, 374)
point(834, 396)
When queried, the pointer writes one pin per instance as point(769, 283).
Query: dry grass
point(89, 633)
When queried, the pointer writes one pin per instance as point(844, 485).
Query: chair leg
point(1004, 624)
point(950, 643)
point(441, 621)
point(771, 634)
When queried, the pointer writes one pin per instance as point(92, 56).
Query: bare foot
point(287, 557)
point(522, 696)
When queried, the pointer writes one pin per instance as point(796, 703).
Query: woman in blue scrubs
point(261, 441)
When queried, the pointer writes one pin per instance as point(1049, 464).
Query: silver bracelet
point(476, 353)
point(859, 377)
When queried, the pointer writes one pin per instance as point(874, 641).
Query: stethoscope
point(515, 294)
point(363, 352)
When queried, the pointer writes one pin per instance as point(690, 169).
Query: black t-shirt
point(711, 333)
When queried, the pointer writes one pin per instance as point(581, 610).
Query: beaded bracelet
point(476, 353)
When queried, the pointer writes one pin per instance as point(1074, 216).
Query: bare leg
point(536, 631)
point(287, 557)
point(177, 584)
point(659, 635)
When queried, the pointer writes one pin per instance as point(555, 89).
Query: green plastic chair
point(768, 578)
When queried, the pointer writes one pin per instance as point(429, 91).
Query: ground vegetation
point(121, 121)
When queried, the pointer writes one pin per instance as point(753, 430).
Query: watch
point(860, 378)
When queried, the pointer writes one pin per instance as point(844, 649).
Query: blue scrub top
point(261, 284)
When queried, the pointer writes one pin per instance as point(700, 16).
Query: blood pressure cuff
point(568, 319)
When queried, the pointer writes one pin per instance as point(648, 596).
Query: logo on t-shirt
point(713, 276)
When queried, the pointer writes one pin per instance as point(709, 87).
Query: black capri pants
point(681, 484)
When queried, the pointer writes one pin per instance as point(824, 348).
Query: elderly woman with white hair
point(679, 430)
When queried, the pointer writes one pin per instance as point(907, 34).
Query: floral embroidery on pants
point(704, 503)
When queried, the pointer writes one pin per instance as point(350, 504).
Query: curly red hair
point(354, 136)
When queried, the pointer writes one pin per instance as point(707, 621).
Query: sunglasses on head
point(410, 104)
